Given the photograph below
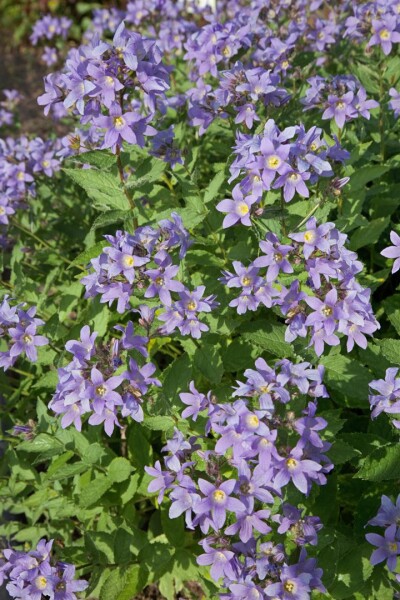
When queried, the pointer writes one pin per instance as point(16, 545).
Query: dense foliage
point(200, 305)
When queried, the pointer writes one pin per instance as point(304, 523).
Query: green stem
point(45, 244)
point(310, 214)
point(126, 191)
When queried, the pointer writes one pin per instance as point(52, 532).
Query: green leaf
point(382, 464)
point(90, 494)
point(102, 187)
point(113, 585)
point(270, 337)
point(47, 381)
point(110, 217)
point(140, 451)
point(103, 159)
point(392, 311)
point(347, 377)
point(214, 186)
point(93, 252)
point(133, 584)
point(364, 175)
point(148, 171)
point(391, 350)
point(67, 471)
point(158, 423)
point(207, 359)
point(119, 469)
point(174, 529)
point(42, 443)
point(370, 234)
point(93, 454)
point(176, 379)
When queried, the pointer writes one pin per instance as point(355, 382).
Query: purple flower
point(238, 209)
point(217, 501)
point(162, 480)
point(384, 34)
point(393, 251)
point(85, 348)
point(293, 182)
point(129, 126)
point(101, 391)
point(388, 547)
point(26, 340)
point(292, 586)
point(388, 513)
point(298, 470)
point(340, 108)
point(275, 257)
point(195, 401)
point(315, 237)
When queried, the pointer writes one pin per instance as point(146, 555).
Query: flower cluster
point(141, 261)
point(49, 27)
point(264, 446)
point(116, 87)
point(388, 545)
point(339, 304)
point(20, 160)
point(89, 384)
point(18, 327)
point(32, 576)
point(342, 98)
point(242, 90)
point(378, 21)
point(388, 398)
point(291, 160)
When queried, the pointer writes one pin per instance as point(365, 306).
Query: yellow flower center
point(278, 257)
point(246, 280)
point(101, 390)
point(191, 305)
point(243, 209)
point(264, 389)
point(309, 236)
point(109, 80)
point(2, 210)
point(21, 176)
point(294, 176)
point(289, 586)
point(27, 339)
point(119, 122)
point(128, 260)
point(327, 311)
point(273, 162)
point(257, 89)
point(285, 64)
point(256, 179)
point(219, 496)
point(252, 421)
point(159, 281)
point(41, 582)
point(291, 463)
point(340, 105)
point(45, 164)
point(227, 51)
point(384, 34)
point(52, 28)
point(313, 147)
